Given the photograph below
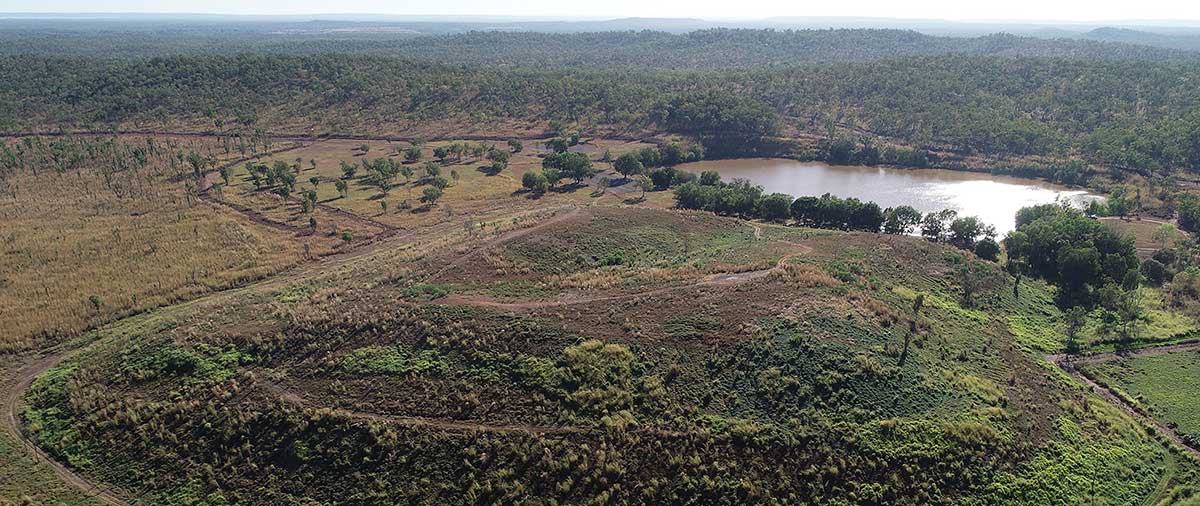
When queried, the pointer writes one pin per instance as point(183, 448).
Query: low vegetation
point(1161, 384)
point(672, 397)
point(99, 228)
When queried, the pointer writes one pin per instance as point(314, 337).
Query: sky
point(1025, 10)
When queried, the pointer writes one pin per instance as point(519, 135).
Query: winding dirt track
point(721, 279)
point(1070, 365)
point(11, 422)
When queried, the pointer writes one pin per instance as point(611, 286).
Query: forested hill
point(713, 48)
point(719, 48)
point(1129, 114)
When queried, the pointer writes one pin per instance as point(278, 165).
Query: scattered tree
point(412, 154)
point(643, 183)
point(535, 182)
point(430, 195)
point(628, 165)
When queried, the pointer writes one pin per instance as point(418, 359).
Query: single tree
point(643, 183)
point(432, 169)
point(1163, 234)
point(535, 182)
point(412, 154)
point(913, 325)
point(775, 207)
point(969, 280)
point(1076, 317)
point(430, 195)
point(988, 249)
point(600, 186)
point(901, 220)
point(628, 165)
point(497, 155)
point(552, 176)
point(557, 145)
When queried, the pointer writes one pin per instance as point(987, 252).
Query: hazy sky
point(1079, 10)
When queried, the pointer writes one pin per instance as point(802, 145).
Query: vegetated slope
point(1163, 385)
point(1128, 114)
point(710, 48)
point(789, 387)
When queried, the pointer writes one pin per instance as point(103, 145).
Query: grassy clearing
point(1162, 324)
point(1142, 232)
point(73, 254)
point(639, 238)
point(475, 190)
point(1164, 385)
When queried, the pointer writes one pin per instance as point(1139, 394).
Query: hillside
point(1186, 41)
point(676, 357)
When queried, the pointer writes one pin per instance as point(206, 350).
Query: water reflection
point(994, 199)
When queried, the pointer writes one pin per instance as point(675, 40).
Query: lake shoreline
point(993, 198)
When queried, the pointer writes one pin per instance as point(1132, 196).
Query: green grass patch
point(294, 293)
point(690, 326)
point(393, 360)
point(201, 364)
point(1165, 385)
point(427, 291)
point(1035, 332)
point(517, 289)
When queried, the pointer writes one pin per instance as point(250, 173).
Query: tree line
point(747, 200)
point(1135, 115)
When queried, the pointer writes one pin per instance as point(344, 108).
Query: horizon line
point(567, 18)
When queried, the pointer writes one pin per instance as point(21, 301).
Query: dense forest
point(712, 48)
point(1137, 115)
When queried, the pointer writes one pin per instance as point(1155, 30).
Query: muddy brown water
point(994, 199)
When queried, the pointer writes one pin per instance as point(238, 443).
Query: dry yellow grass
point(1142, 231)
point(474, 196)
point(73, 254)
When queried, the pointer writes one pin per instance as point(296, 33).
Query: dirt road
point(11, 422)
point(1070, 365)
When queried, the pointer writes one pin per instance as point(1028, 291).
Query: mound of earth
point(603, 356)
